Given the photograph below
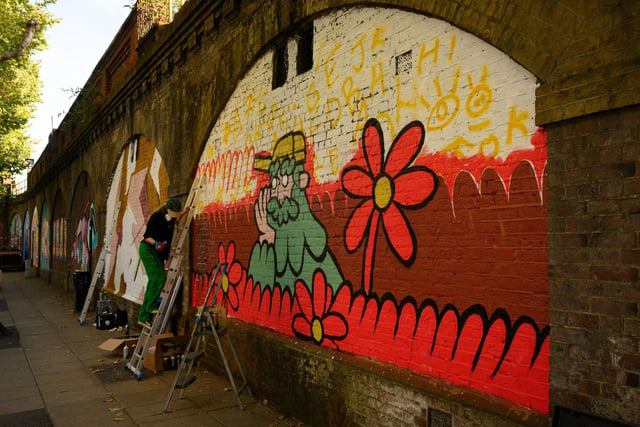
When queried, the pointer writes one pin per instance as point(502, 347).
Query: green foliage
point(19, 78)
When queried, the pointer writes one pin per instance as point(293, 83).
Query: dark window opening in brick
point(403, 63)
point(280, 60)
point(305, 50)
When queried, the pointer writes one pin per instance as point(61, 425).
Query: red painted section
point(459, 293)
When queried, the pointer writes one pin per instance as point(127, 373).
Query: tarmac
point(53, 373)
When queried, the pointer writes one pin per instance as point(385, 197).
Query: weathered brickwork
point(487, 276)
point(593, 263)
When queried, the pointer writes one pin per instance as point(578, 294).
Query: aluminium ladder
point(208, 324)
point(169, 291)
point(99, 266)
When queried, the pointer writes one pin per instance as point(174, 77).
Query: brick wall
point(583, 56)
point(594, 257)
point(444, 270)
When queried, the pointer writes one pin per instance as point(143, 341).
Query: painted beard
point(281, 214)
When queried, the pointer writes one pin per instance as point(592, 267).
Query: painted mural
point(389, 202)
point(85, 239)
point(138, 187)
point(60, 239)
point(26, 238)
point(35, 238)
point(15, 232)
point(45, 238)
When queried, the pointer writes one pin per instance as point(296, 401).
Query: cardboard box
point(164, 345)
point(116, 345)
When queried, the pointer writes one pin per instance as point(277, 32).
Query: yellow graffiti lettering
point(249, 105)
point(387, 117)
point(443, 112)
point(313, 128)
point(363, 111)
point(226, 133)
point(402, 103)
point(480, 97)
point(453, 47)
point(330, 65)
point(359, 45)
point(333, 159)
point(351, 94)
point(283, 120)
point(456, 146)
point(298, 124)
point(475, 127)
point(272, 117)
point(446, 108)
point(378, 39)
point(249, 154)
point(377, 79)
point(237, 125)
point(516, 122)
point(313, 98)
point(317, 166)
point(424, 54)
point(490, 141)
point(333, 122)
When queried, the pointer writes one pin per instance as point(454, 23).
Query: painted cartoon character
point(292, 243)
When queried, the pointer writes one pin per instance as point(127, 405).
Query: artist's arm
point(149, 234)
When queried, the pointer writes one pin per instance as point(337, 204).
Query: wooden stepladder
point(99, 266)
point(171, 287)
point(210, 322)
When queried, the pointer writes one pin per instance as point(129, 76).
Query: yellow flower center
point(316, 330)
point(382, 192)
point(225, 283)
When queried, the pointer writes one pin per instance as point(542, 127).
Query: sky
point(75, 45)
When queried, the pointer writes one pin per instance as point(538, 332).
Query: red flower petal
point(221, 255)
point(413, 187)
point(302, 326)
point(304, 299)
point(373, 146)
point(231, 252)
point(357, 182)
point(398, 233)
point(358, 225)
point(235, 272)
point(232, 297)
point(319, 293)
point(405, 148)
point(334, 326)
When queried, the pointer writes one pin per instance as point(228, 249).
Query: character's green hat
point(290, 146)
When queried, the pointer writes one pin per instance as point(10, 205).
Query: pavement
point(53, 373)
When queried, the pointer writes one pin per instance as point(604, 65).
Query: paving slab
point(54, 374)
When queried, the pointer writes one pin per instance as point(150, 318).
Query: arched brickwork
point(583, 58)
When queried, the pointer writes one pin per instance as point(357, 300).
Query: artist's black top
point(160, 230)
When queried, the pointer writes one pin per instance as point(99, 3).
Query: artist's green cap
point(174, 207)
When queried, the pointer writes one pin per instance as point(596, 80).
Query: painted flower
point(387, 186)
point(316, 320)
point(233, 278)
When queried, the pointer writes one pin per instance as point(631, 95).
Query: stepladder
point(210, 323)
point(161, 319)
point(170, 289)
point(100, 266)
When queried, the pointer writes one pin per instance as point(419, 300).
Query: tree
point(22, 29)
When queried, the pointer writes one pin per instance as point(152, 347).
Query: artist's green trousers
point(156, 275)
